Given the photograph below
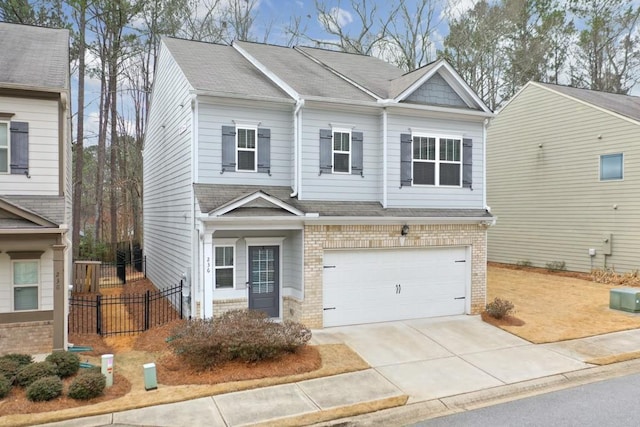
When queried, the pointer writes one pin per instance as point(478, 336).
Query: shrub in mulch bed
point(44, 389)
point(33, 372)
point(87, 385)
point(66, 363)
point(5, 386)
point(245, 335)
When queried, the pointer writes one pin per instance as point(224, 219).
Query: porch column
point(59, 299)
point(207, 293)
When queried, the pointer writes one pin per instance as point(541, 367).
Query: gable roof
point(625, 105)
point(31, 211)
point(34, 57)
point(220, 69)
point(258, 70)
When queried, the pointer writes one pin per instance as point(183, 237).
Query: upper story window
point(428, 159)
point(437, 161)
point(341, 151)
point(246, 148)
point(611, 167)
point(4, 147)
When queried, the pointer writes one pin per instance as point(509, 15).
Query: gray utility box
point(625, 299)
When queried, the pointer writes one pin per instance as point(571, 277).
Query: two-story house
point(35, 188)
point(317, 186)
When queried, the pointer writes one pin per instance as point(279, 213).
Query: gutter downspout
point(484, 163)
point(297, 130)
point(384, 157)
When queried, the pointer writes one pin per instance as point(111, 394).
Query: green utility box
point(625, 299)
point(150, 381)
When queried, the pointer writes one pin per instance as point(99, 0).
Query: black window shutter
point(19, 148)
point(264, 150)
point(356, 153)
point(228, 148)
point(326, 162)
point(467, 163)
point(405, 160)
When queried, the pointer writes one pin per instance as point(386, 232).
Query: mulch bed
point(505, 321)
point(542, 270)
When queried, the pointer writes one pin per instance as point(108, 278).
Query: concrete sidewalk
point(439, 364)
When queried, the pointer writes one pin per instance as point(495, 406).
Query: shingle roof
point(625, 105)
point(372, 73)
point(211, 197)
point(50, 208)
point(220, 68)
point(304, 75)
point(402, 83)
point(33, 57)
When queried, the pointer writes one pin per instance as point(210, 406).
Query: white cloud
point(454, 9)
point(336, 19)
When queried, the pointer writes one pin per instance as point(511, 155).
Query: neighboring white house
point(317, 186)
point(35, 188)
point(564, 179)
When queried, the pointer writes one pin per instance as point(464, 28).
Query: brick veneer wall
point(26, 337)
point(221, 306)
point(321, 237)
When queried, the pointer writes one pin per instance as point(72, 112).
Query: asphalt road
point(608, 403)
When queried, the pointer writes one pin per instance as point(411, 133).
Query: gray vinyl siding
point(429, 196)
point(213, 114)
point(550, 203)
point(167, 201)
point(436, 91)
point(347, 187)
point(42, 117)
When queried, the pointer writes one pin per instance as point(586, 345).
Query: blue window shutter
point(19, 148)
point(405, 160)
point(326, 163)
point(228, 148)
point(467, 163)
point(356, 153)
point(264, 150)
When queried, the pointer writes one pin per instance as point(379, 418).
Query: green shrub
point(20, 359)
point(46, 388)
point(556, 266)
point(87, 385)
point(245, 335)
point(33, 372)
point(5, 386)
point(66, 363)
point(498, 308)
point(9, 368)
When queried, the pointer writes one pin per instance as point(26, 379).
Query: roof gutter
point(466, 112)
point(259, 221)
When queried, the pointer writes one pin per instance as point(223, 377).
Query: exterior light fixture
point(405, 230)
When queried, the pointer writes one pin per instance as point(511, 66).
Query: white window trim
point(334, 151)
point(14, 286)
point(600, 168)
point(437, 161)
point(255, 150)
point(8, 123)
point(224, 243)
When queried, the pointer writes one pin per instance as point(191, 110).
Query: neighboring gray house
point(318, 186)
point(563, 178)
point(35, 188)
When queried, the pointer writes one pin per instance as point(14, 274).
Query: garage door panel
point(365, 286)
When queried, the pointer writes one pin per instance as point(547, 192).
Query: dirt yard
point(556, 306)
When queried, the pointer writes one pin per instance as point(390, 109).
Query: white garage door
point(363, 286)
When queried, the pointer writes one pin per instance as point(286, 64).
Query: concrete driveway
point(433, 358)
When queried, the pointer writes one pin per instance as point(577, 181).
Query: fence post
point(144, 266)
point(98, 314)
point(146, 311)
point(181, 301)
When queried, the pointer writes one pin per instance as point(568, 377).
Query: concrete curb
point(416, 412)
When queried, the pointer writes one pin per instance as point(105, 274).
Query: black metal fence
point(124, 314)
point(123, 270)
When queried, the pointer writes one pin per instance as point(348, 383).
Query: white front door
point(378, 285)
